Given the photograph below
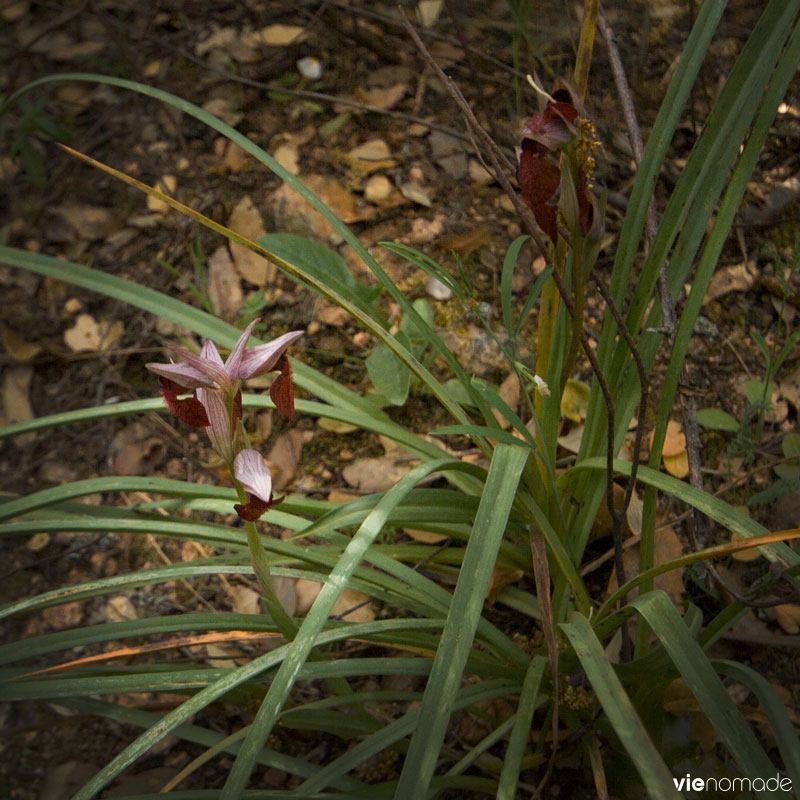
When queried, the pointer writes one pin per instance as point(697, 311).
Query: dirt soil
point(377, 136)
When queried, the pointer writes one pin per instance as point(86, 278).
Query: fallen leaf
point(277, 35)
point(284, 456)
point(89, 222)
point(370, 156)
point(510, 392)
point(89, 334)
point(224, 285)
point(17, 348)
point(677, 465)
point(426, 537)
point(384, 99)
point(221, 107)
point(245, 600)
point(246, 220)
point(288, 157)
point(575, 401)
point(140, 458)
point(77, 51)
point(38, 542)
point(428, 12)
point(788, 617)
point(16, 400)
point(501, 577)
point(374, 474)
point(571, 441)
point(355, 605)
point(332, 315)
point(674, 439)
point(679, 700)
point(738, 278)
point(166, 184)
point(336, 426)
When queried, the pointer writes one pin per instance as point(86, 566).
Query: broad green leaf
point(388, 374)
point(718, 420)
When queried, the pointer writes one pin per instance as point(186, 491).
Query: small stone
point(438, 290)
point(377, 188)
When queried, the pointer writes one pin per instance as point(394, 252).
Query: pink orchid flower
point(254, 475)
point(208, 371)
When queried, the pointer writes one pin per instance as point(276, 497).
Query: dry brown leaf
point(571, 441)
point(335, 316)
point(16, 399)
point(38, 542)
point(384, 99)
point(245, 600)
point(356, 603)
point(426, 537)
point(335, 496)
point(788, 617)
point(220, 107)
point(89, 222)
point(166, 184)
point(336, 426)
point(224, 285)
point(374, 474)
point(467, 242)
point(140, 458)
point(501, 577)
point(89, 334)
point(674, 440)
point(17, 348)
point(370, 156)
point(287, 156)
point(284, 456)
point(510, 392)
point(677, 465)
point(738, 278)
point(679, 700)
point(246, 220)
point(575, 401)
point(14, 11)
point(667, 547)
point(77, 51)
point(276, 36)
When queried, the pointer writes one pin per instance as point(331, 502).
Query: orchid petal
point(219, 428)
point(251, 471)
point(190, 409)
point(235, 358)
point(282, 389)
point(263, 358)
point(210, 352)
point(216, 373)
point(185, 375)
point(253, 510)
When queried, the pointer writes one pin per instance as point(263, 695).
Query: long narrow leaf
point(501, 485)
point(619, 709)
